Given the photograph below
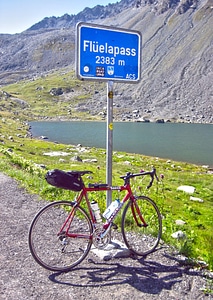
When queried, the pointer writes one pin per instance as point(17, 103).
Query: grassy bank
point(27, 160)
point(28, 164)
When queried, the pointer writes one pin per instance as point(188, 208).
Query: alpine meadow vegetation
point(24, 158)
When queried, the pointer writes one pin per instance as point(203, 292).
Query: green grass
point(21, 158)
point(40, 103)
point(22, 164)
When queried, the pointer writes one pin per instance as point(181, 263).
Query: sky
point(18, 15)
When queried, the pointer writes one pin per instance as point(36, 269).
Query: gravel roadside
point(159, 276)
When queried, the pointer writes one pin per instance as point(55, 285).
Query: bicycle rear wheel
point(51, 247)
point(141, 239)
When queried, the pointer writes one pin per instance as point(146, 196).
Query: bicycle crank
point(100, 242)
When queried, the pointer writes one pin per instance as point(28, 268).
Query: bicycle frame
point(67, 229)
point(107, 225)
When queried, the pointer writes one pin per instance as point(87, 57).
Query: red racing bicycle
point(62, 233)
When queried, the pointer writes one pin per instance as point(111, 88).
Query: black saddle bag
point(65, 180)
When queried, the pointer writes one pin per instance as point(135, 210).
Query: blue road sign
point(107, 53)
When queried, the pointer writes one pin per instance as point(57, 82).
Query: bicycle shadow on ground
point(146, 276)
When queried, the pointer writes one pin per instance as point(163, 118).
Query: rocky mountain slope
point(177, 38)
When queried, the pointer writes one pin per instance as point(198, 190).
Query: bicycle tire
point(47, 247)
point(142, 240)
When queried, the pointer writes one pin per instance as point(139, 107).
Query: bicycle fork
point(135, 209)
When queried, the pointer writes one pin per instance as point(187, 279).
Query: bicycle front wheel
point(56, 249)
point(141, 234)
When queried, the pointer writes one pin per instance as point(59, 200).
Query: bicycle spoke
point(59, 251)
point(141, 226)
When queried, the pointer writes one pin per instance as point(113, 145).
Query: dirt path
point(159, 276)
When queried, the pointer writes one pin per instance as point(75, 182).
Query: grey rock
point(76, 158)
point(178, 234)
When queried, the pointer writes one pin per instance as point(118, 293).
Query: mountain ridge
point(110, 10)
point(176, 56)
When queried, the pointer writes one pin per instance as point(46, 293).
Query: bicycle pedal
point(114, 226)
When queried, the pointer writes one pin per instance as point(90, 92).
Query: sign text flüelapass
point(106, 53)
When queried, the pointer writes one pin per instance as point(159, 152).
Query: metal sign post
point(111, 54)
point(109, 139)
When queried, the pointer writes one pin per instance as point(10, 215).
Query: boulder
point(160, 121)
point(56, 91)
point(180, 222)
point(196, 199)
point(187, 189)
point(76, 158)
point(178, 235)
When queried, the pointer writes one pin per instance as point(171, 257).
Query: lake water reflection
point(182, 142)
